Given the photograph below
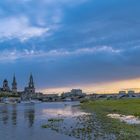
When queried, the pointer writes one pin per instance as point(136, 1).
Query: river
point(24, 121)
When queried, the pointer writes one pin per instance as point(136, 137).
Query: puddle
point(129, 119)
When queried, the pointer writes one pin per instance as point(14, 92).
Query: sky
point(88, 44)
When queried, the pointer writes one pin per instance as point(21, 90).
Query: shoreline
point(120, 129)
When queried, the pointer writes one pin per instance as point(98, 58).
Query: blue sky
point(68, 43)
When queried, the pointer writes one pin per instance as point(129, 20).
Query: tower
point(31, 82)
point(5, 85)
point(14, 85)
point(29, 91)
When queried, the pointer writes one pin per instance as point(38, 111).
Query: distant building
point(26, 94)
point(91, 96)
point(29, 91)
point(38, 94)
point(51, 97)
point(5, 86)
point(131, 92)
point(14, 85)
point(66, 94)
point(75, 94)
point(122, 92)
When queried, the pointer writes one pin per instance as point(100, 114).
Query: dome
point(5, 80)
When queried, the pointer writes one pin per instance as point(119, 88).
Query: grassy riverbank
point(121, 130)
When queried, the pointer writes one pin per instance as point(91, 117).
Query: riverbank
point(121, 130)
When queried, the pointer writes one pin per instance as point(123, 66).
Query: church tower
point(5, 85)
point(31, 82)
point(14, 85)
point(31, 88)
point(29, 91)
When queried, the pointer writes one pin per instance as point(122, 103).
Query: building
point(29, 91)
point(27, 94)
point(14, 85)
point(5, 86)
point(122, 92)
point(66, 94)
point(74, 94)
point(51, 97)
point(131, 92)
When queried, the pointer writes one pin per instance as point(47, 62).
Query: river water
point(24, 121)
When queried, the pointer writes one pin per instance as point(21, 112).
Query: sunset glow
point(110, 87)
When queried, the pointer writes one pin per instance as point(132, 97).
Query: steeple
point(31, 81)
point(29, 91)
point(14, 85)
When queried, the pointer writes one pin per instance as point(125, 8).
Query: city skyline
point(104, 87)
point(92, 45)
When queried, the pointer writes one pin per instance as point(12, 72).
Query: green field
point(121, 130)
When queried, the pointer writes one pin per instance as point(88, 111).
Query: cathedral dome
point(5, 80)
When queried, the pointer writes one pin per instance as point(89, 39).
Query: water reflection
point(14, 115)
point(65, 111)
point(29, 115)
point(5, 114)
point(8, 112)
point(60, 112)
point(24, 121)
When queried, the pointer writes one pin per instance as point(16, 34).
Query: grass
point(7, 94)
point(96, 125)
point(122, 131)
point(81, 129)
point(52, 123)
point(124, 106)
point(55, 120)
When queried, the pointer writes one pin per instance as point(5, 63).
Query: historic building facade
point(29, 91)
point(6, 89)
point(5, 86)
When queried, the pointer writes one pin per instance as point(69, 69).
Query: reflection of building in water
point(5, 114)
point(29, 114)
point(14, 115)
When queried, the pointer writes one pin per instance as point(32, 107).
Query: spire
point(14, 84)
point(14, 79)
point(31, 81)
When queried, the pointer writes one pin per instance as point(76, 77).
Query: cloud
point(87, 40)
point(107, 49)
point(27, 54)
point(20, 28)
point(66, 2)
point(80, 51)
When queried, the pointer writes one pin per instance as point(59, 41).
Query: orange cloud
point(108, 87)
